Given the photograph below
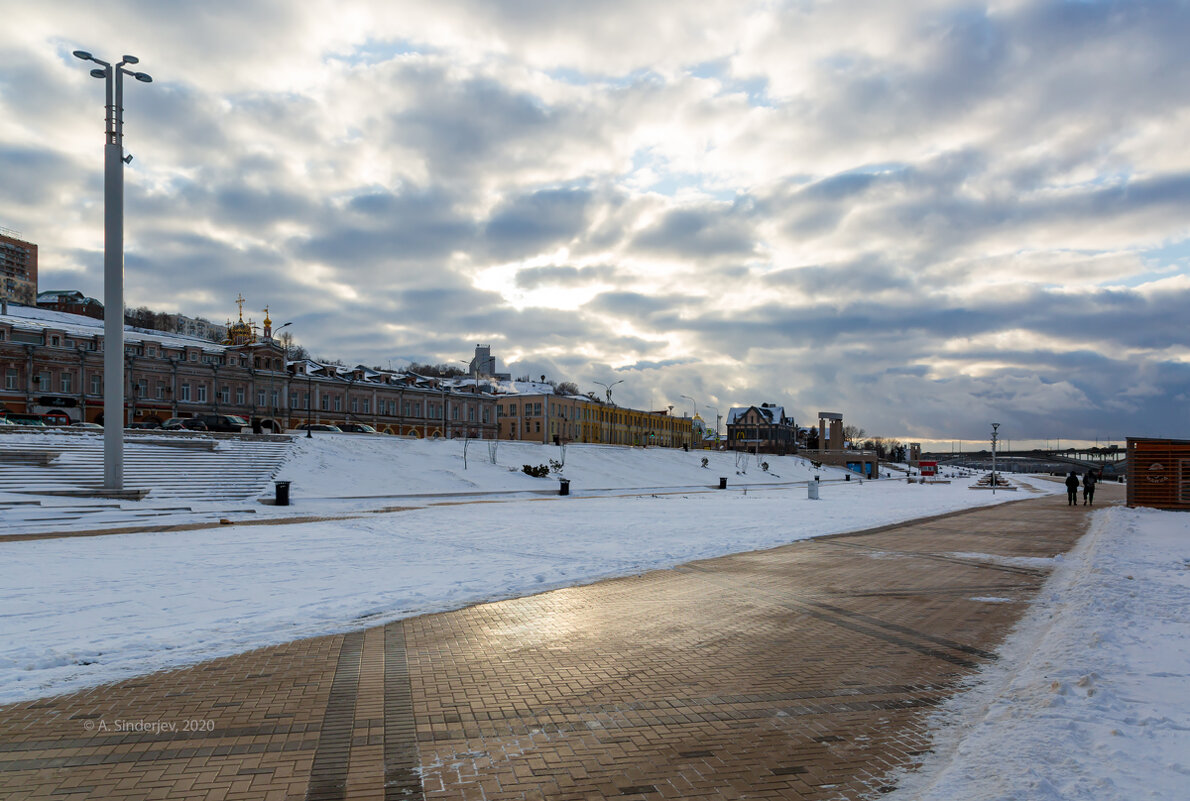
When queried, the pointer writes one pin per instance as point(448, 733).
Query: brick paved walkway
point(805, 671)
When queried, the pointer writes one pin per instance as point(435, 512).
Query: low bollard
point(847, 477)
point(563, 486)
point(281, 496)
point(722, 482)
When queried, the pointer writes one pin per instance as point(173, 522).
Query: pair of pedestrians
point(1088, 483)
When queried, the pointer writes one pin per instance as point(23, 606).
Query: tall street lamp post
point(693, 411)
point(995, 436)
point(113, 264)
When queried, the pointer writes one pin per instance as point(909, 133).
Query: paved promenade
point(806, 671)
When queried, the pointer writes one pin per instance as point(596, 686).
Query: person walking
point(1072, 489)
point(1089, 488)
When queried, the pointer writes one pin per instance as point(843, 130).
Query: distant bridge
point(1111, 461)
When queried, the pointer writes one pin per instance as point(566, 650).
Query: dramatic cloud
point(927, 215)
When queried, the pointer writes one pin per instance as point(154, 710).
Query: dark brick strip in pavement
point(328, 777)
point(401, 780)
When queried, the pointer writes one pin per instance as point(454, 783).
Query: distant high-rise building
point(18, 269)
point(484, 363)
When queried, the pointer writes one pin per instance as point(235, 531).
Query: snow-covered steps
point(198, 468)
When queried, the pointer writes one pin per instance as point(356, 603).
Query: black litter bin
point(847, 477)
point(722, 482)
point(282, 496)
point(563, 486)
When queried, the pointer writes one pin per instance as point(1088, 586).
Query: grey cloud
point(527, 224)
point(702, 232)
point(562, 275)
point(657, 365)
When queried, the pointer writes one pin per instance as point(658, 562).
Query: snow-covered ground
point(83, 611)
point(1090, 700)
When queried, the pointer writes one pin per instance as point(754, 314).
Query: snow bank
point(1091, 698)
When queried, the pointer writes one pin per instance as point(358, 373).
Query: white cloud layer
point(927, 215)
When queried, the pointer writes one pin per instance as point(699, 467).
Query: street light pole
point(693, 411)
point(113, 265)
point(995, 436)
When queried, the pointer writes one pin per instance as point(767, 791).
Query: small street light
point(718, 417)
point(113, 263)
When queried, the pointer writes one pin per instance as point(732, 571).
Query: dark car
point(184, 424)
point(318, 427)
point(358, 428)
point(144, 424)
point(18, 419)
point(224, 422)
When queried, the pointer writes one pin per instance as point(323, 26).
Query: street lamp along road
point(995, 436)
point(608, 389)
point(113, 263)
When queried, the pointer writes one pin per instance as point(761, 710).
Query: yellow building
point(546, 417)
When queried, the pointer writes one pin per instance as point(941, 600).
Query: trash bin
point(282, 493)
point(563, 486)
point(812, 490)
point(847, 477)
point(722, 482)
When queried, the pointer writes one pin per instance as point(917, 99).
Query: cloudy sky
point(927, 215)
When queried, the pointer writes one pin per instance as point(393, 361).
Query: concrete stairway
point(172, 466)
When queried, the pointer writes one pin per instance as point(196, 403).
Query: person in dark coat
point(1072, 489)
point(1089, 488)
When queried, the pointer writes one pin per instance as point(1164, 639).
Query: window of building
point(275, 395)
point(3, 334)
point(240, 396)
point(202, 393)
point(96, 383)
point(193, 356)
point(405, 407)
point(338, 403)
point(355, 405)
point(225, 394)
point(487, 413)
point(537, 411)
point(184, 393)
point(160, 390)
point(454, 412)
point(142, 388)
point(538, 426)
point(512, 410)
point(11, 376)
point(470, 414)
point(55, 341)
point(67, 382)
point(367, 406)
point(260, 397)
point(324, 403)
point(43, 381)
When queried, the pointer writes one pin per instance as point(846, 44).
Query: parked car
point(19, 419)
point(224, 422)
point(144, 424)
point(4, 422)
point(318, 427)
point(184, 424)
point(85, 424)
point(358, 428)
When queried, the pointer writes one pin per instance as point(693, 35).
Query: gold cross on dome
point(240, 301)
